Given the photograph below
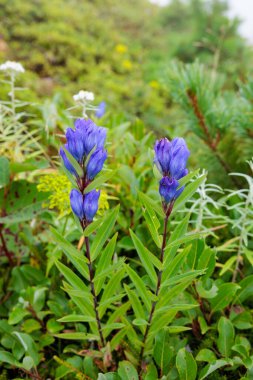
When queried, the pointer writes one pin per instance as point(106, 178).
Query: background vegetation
point(182, 70)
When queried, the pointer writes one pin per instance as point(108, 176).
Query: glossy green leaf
point(140, 286)
point(188, 192)
point(104, 261)
point(186, 365)
point(103, 233)
point(225, 295)
point(77, 258)
point(145, 256)
point(77, 318)
point(127, 371)
point(226, 336)
point(206, 355)
point(100, 180)
point(163, 351)
point(4, 171)
point(210, 368)
point(77, 336)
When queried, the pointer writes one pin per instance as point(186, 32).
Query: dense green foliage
point(201, 325)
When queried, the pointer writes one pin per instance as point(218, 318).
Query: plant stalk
point(95, 301)
point(158, 285)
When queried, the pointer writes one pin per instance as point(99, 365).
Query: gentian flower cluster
point(171, 159)
point(85, 143)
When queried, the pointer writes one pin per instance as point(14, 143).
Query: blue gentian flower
point(96, 163)
point(101, 110)
point(85, 143)
point(171, 159)
point(168, 188)
point(81, 141)
point(67, 163)
point(76, 202)
point(74, 144)
point(91, 135)
point(91, 204)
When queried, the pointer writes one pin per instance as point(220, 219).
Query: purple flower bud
point(75, 145)
point(101, 110)
point(91, 204)
point(179, 156)
point(96, 163)
point(67, 163)
point(77, 203)
point(162, 155)
point(168, 188)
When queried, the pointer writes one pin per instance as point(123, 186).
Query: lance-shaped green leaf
point(71, 277)
point(163, 352)
point(152, 221)
point(186, 365)
point(104, 262)
point(100, 180)
point(144, 198)
point(77, 318)
point(76, 257)
point(184, 239)
point(172, 266)
point(225, 295)
point(140, 286)
point(188, 192)
point(146, 257)
point(136, 305)
point(110, 290)
point(212, 367)
point(77, 336)
point(127, 371)
point(226, 336)
point(4, 171)
point(179, 231)
point(103, 233)
point(73, 162)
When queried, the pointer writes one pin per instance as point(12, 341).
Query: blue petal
point(67, 163)
point(91, 204)
point(162, 155)
point(96, 163)
point(168, 188)
point(77, 203)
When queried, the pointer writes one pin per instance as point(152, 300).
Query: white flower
point(84, 96)
point(12, 66)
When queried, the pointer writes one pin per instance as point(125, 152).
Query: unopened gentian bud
point(179, 157)
point(162, 155)
point(96, 163)
point(171, 159)
point(77, 203)
point(74, 144)
point(168, 188)
point(67, 163)
point(91, 204)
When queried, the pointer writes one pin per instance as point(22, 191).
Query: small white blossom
point(12, 66)
point(84, 96)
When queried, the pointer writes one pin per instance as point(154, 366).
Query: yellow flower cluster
point(103, 202)
point(59, 188)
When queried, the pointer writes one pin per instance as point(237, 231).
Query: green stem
point(93, 291)
point(158, 285)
